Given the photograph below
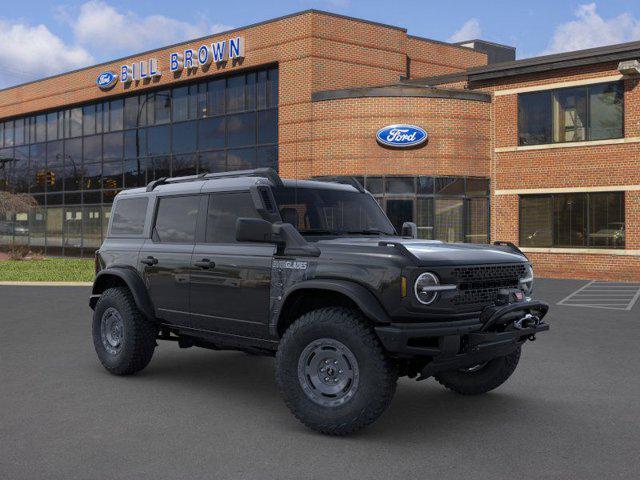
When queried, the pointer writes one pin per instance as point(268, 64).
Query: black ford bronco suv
point(315, 274)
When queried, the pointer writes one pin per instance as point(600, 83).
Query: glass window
point(449, 219)
point(41, 129)
point(273, 88)
point(268, 126)
point(400, 185)
point(267, 157)
point(595, 220)
point(606, 220)
point(89, 124)
point(75, 122)
point(20, 169)
point(425, 185)
point(477, 187)
point(374, 185)
point(54, 177)
point(241, 129)
point(158, 167)
point(112, 146)
point(112, 175)
point(450, 186)
point(130, 115)
point(215, 97)
point(92, 176)
point(73, 164)
point(201, 101)
point(570, 115)
point(9, 137)
point(536, 221)
point(176, 219)
point(399, 211)
point(224, 210)
point(235, 94)
point(19, 132)
point(424, 218)
point(101, 110)
point(183, 137)
point(37, 168)
point(129, 216)
point(592, 112)
point(92, 149)
point(211, 133)
point(212, 162)
point(250, 91)
point(92, 226)
point(184, 165)
point(606, 111)
point(116, 115)
point(158, 140)
point(320, 211)
point(135, 174)
point(72, 230)
point(180, 104)
point(162, 106)
point(135, 143)
point(570, 220)
point(477, 230)
point(261, 89)
point(241, 159)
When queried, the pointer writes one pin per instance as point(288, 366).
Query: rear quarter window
point(128, 216)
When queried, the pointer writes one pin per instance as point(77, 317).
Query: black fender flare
point(360, 295)
point(133, 281)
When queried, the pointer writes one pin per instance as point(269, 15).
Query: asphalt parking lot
point(571, 410)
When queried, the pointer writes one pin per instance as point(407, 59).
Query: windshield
point(318, 211)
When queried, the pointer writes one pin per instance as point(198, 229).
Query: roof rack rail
point(269, 173)
point(344, 181)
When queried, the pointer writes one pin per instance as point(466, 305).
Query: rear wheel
point(480, 378)
point(333, 373)
point(124, 340)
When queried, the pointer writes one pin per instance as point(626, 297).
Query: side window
point(176, 219)
point(128, 216)
point(224, 210)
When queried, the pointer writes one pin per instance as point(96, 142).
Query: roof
point(590, 56)
point(405, 89)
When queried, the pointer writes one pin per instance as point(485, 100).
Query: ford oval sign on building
point(106, 80)
point(401, 136)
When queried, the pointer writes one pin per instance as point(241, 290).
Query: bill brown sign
point(189, 59)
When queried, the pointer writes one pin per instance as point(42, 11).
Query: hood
point(433, 252)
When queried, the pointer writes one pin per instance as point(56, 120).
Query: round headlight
point(422, 289)
point(526, 282)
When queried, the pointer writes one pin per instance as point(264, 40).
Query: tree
point(15, 202)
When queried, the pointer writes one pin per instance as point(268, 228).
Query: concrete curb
point(47, 284)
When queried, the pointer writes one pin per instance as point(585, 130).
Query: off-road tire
point(483, 380)
point(138, 339)
point(376, 380)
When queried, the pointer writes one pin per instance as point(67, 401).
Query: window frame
point(587, 223)
point(552, 92)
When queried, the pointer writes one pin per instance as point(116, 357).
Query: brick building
point(541, 152)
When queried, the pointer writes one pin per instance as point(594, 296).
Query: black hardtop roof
point(236, 180)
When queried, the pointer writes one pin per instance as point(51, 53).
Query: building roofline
point(400, 90)
point(608, 53)
point(225, 32)
point(496, 44)
point(436, 79)
point(440, 42)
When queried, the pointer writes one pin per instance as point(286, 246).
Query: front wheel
point(124, 340)
point(481, 378)
point(333, 373)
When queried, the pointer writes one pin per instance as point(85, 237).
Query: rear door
point(165, 259)
point(230, 281)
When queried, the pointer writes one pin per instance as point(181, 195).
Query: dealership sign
point(401, 136)
point(189, 59)
point(106, 80)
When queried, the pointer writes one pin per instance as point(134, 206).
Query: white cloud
point(29, 52)
point(469, 31)
point(589, 29)
point(107, 31)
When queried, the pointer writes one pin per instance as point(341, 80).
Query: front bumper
point(464, 343)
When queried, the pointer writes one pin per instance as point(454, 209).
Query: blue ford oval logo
point(401, 136)
point(106, 80)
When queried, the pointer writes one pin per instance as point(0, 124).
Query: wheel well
point(109, 281)
point(305, 300)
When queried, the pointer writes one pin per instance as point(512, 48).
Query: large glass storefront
point(74, 161)
point(451, 209)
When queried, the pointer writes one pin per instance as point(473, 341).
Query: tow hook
point(527, 321)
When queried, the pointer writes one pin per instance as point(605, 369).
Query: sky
point(39, 38)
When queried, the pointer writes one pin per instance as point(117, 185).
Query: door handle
point(205, 264)
point(149, 260)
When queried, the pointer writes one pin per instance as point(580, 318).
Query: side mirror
point(409, 229)
point(253, 230)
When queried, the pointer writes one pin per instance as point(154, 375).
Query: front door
point(165, 260)
point(230, 281)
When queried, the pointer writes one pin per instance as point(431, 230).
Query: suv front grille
point(480, 284)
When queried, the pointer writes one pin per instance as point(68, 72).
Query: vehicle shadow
point(418, 407)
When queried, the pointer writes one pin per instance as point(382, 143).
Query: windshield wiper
point(319, 231)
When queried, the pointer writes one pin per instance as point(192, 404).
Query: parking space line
point(597, 294)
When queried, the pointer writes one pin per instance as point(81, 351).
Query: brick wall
point(566, 167)
point(429, 58)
